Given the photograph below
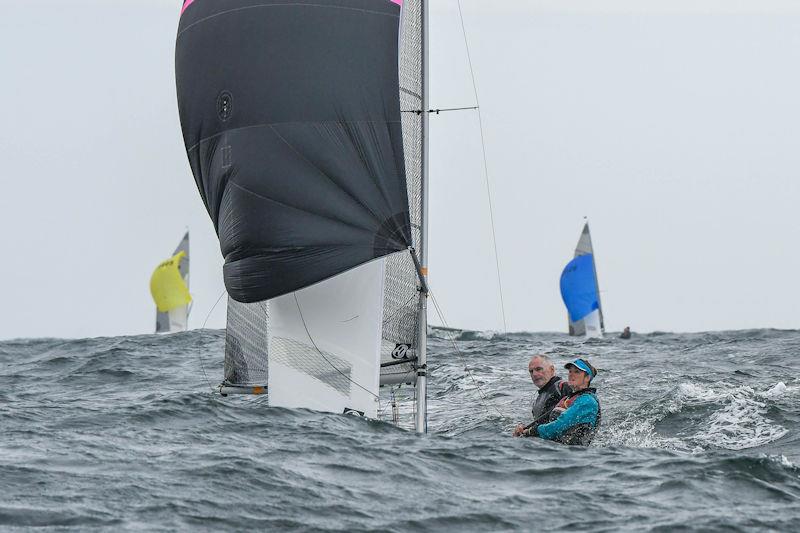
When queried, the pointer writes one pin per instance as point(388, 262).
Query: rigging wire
point(345, 376)
point(202, 366)
point(485, 167)
point(464, 360)
point(305, 326)
point(381, 409)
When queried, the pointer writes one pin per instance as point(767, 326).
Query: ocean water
point(700, 432)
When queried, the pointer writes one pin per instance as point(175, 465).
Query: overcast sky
point(673, 125)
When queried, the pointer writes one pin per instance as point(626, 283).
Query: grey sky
point(673, 127)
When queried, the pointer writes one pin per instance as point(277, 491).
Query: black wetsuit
point(548, 397)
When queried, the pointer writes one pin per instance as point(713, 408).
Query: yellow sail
point(168, 288)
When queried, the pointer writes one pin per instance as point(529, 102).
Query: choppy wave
point(700, 432)
point(726, 417)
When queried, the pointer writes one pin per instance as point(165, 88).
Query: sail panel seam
point(311, 163)
point(320, 215)
point(293, 4)
point(271, 124)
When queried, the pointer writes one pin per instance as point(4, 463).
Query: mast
point(421, 421)
point(596, 282)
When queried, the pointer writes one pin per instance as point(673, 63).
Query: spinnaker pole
point(421, 421)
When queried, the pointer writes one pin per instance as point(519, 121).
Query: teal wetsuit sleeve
point(583, 411)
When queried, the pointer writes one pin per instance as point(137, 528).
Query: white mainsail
point(324, 343)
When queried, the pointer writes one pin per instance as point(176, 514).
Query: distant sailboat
point(304, 123)
point(581, 291)
point(169, 286)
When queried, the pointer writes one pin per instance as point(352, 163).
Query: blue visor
point(580, 365)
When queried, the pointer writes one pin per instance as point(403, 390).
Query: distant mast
point(580, 290)
point(169, 287)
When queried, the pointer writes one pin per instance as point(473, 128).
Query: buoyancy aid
point(579, 434)
point(548, 397)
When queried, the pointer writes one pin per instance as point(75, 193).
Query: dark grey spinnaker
point(291, 121)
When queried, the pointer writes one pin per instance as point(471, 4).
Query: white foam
point(692, 394)
point(691, 390)
point(741, 423)
point(775, 392)
point(486, 335)
point(781, 391)
point(784, 461)
point(781, 460)
point(639, 433)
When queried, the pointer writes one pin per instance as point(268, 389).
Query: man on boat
point(577, 416)
point(551, 389)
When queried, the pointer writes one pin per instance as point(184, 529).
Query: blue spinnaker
point(579, 287)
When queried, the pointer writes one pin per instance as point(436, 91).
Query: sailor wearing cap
point(576, 417)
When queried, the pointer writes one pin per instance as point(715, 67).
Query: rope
point(485, 168)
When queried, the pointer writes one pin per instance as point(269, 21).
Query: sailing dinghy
point(581, 291)
point(305, 128)
point(169, 287)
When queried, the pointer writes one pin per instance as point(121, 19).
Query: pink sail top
point(186, 4)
